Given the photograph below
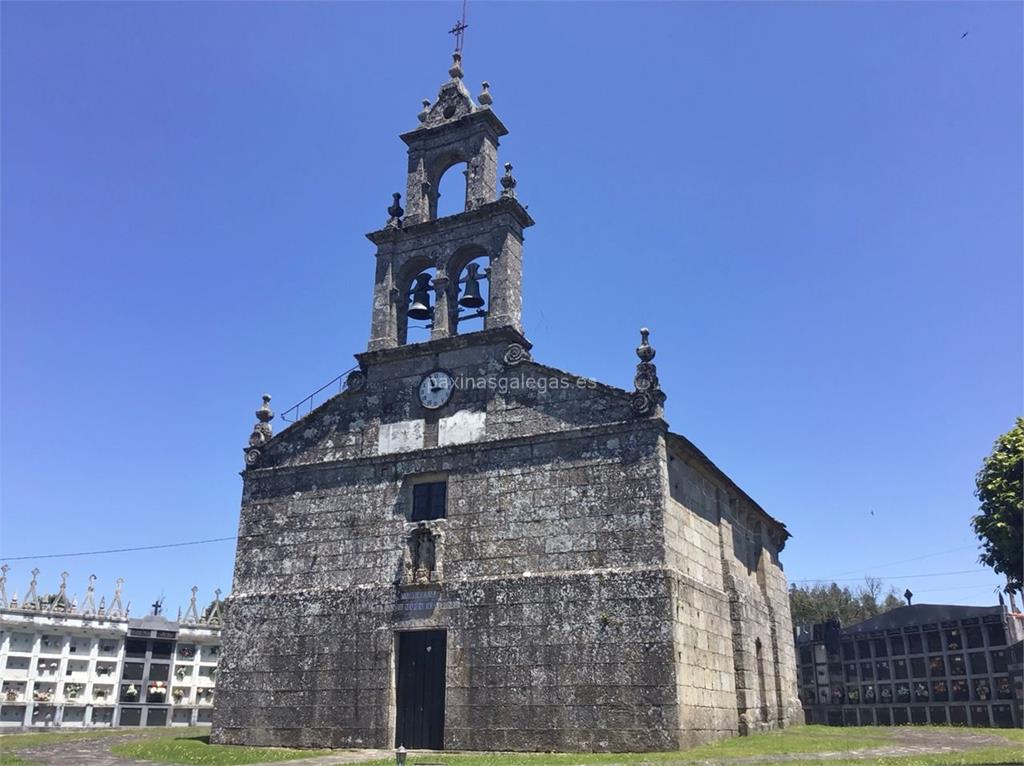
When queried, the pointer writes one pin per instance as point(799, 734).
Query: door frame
point(395, 664)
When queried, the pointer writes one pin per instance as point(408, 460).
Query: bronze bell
point(420, 306)
point(471, 292)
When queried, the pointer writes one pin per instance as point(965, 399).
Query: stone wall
point(603, 585)
point(553, 662)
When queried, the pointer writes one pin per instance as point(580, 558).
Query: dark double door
point(420, 689)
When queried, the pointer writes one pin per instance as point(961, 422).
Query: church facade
point(468, 549)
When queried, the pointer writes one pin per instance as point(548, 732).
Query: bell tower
point(442, 273)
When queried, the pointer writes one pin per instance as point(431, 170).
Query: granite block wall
point(603, 586)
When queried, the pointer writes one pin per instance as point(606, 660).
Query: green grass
point(34, 739)
point(10, 759)
point(199, 750)
point(11, 743)
point(798, 741)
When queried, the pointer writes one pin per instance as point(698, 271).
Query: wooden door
point(420, 689)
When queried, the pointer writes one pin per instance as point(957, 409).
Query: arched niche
point(452, 171)
point(411, 330)
point(472, 258)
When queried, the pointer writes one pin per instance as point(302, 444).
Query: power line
point(896, 577)
point(904, 561)
point(236, 537)
point(120, 550)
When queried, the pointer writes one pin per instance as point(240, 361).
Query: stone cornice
point(500, 206)
point(482, 115)
point(622, 426)
point(503, 334)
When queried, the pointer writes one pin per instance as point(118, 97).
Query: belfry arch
point(486, 228)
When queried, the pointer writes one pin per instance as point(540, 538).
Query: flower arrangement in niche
point(180, 672)
point(99, 694)
point(158, 689)
point(131, 692)
point(72, 691)
point(42, 695)
point(178, 694)
point(11, 695)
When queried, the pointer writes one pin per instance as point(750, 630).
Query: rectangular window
point(999, 661)
point(159, 672)
point(881, 648)
point(135, 647)
point(132, 671)
point(979, 666)
point(917, 667)
point(864, 650)
point(956, 665)
point(974, 638)
point(914, 641)
point(996, 635)
point(163, 649)
point(934, 639)
point(896, 642)
point(901, 668)
point(429, 500)
point(1004, 690)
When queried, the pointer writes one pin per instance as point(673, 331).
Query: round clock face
point(436, 389)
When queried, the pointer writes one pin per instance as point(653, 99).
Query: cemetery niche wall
point(469, 549)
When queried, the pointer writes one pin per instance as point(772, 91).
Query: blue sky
point(816, 208)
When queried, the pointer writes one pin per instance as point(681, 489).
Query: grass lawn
point(199, 750)
point(802, 742)
point(11, 743)
point(775, 745)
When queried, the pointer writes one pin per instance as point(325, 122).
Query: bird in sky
point(963, 35)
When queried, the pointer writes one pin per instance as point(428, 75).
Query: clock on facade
point(436, 389)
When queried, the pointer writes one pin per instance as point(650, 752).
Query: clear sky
point(816, 208)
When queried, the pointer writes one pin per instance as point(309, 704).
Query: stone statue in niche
point(421, 555)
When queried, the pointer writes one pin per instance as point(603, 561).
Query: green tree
point(819, 602)
point(1000, 490)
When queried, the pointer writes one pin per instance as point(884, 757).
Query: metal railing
point(326, 391)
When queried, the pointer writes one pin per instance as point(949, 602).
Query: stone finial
point(508, 182)
point(645, 350)
point(60, 601)
point(455, 70)
point(213, 617)
point(485, 95)
point(192, 614)
point(3, 586)
point(647, 395)
point(116, 609)
point(89, 604)
point(261, 432)
point(422, 116)
point(31, 600)
point(396, 212)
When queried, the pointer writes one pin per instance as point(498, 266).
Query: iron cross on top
point(457, 30)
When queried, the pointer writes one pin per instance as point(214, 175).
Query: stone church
point(469, 549)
